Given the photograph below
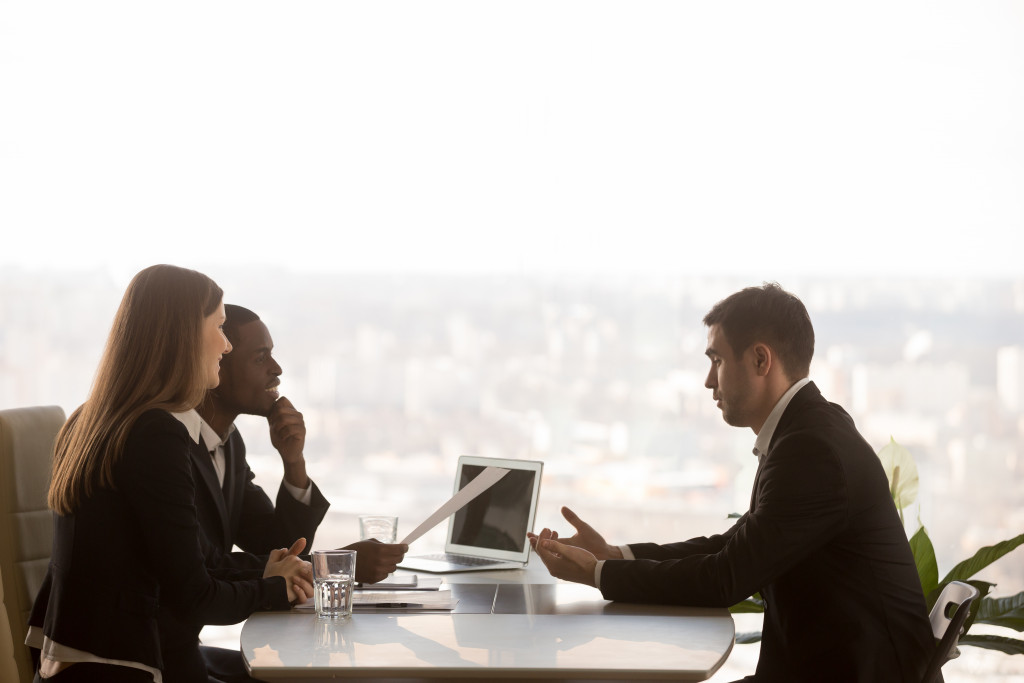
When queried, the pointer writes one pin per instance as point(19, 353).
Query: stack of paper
point(399, 583)
point(397, 600)
point(405, 600)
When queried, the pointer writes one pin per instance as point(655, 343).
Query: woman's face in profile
point(215, 345)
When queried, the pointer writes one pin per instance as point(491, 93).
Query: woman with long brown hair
point(126, 540)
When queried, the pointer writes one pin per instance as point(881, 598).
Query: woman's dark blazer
point(133, 550)
point(823, 544)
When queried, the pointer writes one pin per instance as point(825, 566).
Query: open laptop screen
point(500, 516)
point(495, 523)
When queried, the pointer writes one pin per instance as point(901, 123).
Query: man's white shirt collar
point(210, 437)
point(764, 437)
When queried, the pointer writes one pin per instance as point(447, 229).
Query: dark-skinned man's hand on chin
point(375, 560)
point(288, 436)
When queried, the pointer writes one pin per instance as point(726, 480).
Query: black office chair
point(948, 617)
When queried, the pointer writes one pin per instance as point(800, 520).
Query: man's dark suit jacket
point(242, 514)
point(132, 552)
point(823, 544)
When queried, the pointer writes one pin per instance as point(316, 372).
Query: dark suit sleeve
point(234, 564)
point(695, 546)
point(156, 480)
point(262, 525)
point(801, 504)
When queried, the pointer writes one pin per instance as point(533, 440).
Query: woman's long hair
point(153, 359)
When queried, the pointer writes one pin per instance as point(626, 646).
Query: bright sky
point(740, 137)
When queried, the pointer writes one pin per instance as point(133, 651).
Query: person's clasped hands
point(297, 573)
point(573, 558)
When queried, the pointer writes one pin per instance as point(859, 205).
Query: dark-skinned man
point(232, 509)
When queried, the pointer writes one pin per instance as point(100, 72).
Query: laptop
point(489, 532)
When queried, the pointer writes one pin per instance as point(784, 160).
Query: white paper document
point(481, 483)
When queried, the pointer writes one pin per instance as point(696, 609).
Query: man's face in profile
point(731, 380)
point(249, 374)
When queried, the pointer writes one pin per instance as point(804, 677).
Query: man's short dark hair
point(771, 315)
point(235, 317)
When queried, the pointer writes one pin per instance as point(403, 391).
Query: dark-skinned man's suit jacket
point(823, 544)
point(243, 514)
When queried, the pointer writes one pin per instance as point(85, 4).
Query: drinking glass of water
point(334, 574)
point(384, 528)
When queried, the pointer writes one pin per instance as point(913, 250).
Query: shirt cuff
point(627, 554)
point(304, 496)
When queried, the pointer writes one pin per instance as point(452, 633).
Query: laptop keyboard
point(464, 560)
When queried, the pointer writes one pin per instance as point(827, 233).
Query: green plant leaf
point(748, 638)
point(1005, 612)
point(984, 588)
point(752, 605)
point(981, 559)
point(1010, 646)
point(901, 471)
point(924, 558)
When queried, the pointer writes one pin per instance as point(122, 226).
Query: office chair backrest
point(26, 522)
point(8, 667)
point(948, 617)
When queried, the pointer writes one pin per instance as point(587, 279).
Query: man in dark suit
point(232, 509)
point(822, 540)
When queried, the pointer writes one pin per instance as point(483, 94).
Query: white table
point(538, 629)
